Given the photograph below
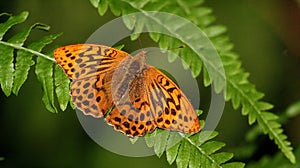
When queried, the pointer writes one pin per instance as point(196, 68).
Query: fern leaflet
point(14, 74)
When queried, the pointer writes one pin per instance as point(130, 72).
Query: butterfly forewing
point(90, 67)
point(85, 60)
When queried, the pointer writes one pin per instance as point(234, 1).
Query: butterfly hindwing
point(132, 114)
point(92, 95)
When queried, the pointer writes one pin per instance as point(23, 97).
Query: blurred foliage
point(276, 161)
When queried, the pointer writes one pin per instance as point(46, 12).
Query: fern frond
point(248, 149)
point(198, 150)
point(16, 59)
point(239, 90)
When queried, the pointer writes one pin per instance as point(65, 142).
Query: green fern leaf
point(102, 7)
point(6, 52)
point(44, 72)
point(190, 151)
point(183, 155)
point(62, 84)
point(13, 20)
point(95, 3)
point(161, 143)
point(6, 69)
point(195, 159)
point(222, 157)
point(23, 58)
point(171, 153)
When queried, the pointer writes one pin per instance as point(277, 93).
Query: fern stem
point(27, 50)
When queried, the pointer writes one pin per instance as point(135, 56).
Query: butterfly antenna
point(140, 42)
point(175, 48)
point(135, 25)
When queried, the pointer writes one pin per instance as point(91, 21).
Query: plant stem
point(28, 50)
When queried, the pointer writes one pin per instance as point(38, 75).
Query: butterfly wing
point(171, 108)
point(132, 114)
point(153, 101)
point(92, 95)
point(90, 67)
point(86, 60)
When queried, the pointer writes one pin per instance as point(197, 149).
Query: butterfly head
point(141, 56)
point(138, 62)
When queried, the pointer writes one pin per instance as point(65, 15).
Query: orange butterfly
point(132, 96)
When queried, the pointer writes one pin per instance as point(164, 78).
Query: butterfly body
point(129, 69)
point(141, 97)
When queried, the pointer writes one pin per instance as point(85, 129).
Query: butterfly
point(134, 97)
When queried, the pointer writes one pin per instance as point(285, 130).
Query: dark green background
point(265, 34)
